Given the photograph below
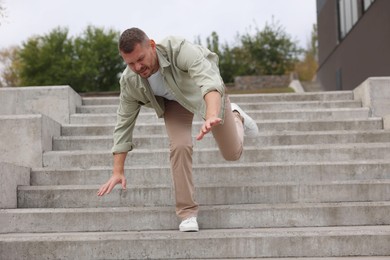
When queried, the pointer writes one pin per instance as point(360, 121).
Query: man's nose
point(138, 66)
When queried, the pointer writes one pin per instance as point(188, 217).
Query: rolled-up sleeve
point(127, 114)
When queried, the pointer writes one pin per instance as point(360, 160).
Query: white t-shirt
point(156, 82)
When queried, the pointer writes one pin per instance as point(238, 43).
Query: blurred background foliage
point(90, 62)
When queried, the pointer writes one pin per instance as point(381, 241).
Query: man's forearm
point(213, 104)
point(119, 163)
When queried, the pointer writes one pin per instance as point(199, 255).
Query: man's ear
point(152, 43)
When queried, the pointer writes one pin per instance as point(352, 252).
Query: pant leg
point(230, 135)
point(178, 122)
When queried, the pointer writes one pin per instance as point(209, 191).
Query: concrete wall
point(386, 122)
point(258, 82)
point(375, 94)
point(10, 177)
point(56, 102)
point(23, 138)
point(29, 119)
point(296, 86)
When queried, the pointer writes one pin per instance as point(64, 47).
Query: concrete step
point(281, 97)
point(264, 106)
point(311, 258)
point(218, 173)
point(314, 183)
point(163, 218)
point(160, 157)
point(264, 126)
point(307, 114)
point(314, 258)
point(103, 109)
point(63, 143)
point(225, 243)
point(323, 258)
point(81, 196)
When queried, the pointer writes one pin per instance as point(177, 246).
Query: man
point(178, 79)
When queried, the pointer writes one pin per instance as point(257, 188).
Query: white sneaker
point(250, 126)
point(189, 224)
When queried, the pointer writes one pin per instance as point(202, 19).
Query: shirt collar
point(162, 58)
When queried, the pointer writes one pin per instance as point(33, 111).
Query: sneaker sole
point(193, 229)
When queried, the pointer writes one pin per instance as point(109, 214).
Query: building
point(353, 42)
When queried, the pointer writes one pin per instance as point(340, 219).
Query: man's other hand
point(207, 125)
point(110, 184)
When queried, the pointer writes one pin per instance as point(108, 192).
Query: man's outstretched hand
point(110, 184)
point(207, 125)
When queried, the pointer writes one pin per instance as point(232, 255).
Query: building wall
point(364, 52)
point(327, 30)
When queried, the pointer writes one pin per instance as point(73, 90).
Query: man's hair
point(130, 38)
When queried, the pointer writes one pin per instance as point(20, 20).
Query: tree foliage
point(11, 67)
point(269, 51)
point(230, 58)
point(90, 62)
point(98, 62)
point(47, 60)
point(307, 68)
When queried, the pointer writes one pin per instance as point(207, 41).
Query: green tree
point(10, 67)
point(47, 60)
point(230, 58)
point(307, 68)
point(89, 62)
point(232, 63)
point(314, 42)
point(270, 51)
point(213, 43)
point(98, 61)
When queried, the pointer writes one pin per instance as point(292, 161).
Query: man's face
point(143, 59)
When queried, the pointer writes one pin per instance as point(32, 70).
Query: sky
point(191, 19)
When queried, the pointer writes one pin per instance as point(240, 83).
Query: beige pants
point(178, 122)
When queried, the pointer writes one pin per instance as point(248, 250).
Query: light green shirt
point(190, 71)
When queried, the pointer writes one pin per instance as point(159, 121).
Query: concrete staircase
point(314, 183)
